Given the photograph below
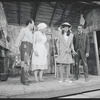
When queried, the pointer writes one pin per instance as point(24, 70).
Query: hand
point(36, 53)
point(87, 55)
point(68, 51)
point(74, 53)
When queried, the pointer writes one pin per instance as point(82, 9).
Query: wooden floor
point(12, 88)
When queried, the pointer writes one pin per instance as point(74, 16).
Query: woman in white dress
point(39, 56)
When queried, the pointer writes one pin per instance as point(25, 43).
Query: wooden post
point(18, 12)
point(35, 7)
point(96, 52)
point(53, 14)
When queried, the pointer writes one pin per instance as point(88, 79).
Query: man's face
point(32, 25)
point(80, 29)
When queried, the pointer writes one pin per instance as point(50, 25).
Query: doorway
point(98, 41)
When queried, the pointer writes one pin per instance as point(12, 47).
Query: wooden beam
point(35, 6)
point(32, 10)
point(51, 4)
point(18, 12)
point(53, 14)
point(96, 52)
point(59, 22)
point(62, 17)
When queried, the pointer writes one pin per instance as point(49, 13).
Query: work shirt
point(24, 35)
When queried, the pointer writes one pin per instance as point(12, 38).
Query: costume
point(40, 61)
point(24, 42)
point(81, 45)
point(65, 46)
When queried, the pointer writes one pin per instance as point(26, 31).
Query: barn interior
point(14, 15)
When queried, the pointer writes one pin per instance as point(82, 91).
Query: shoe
point(26, 83)
point(36, 81)
point(41, 80)
point(73, 79)
point(61, 81)
point(70, 81)
point(30, 82)
point(86, 79)
point(67, 80)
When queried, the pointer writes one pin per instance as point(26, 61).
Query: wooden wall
point(18, 12)
point(93, 20)
point(93, 24)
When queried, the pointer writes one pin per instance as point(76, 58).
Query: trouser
point(81, 55)
point(26, 52)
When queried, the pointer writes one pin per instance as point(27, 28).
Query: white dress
point(39, 62)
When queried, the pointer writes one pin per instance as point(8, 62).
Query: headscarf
point(41, 26)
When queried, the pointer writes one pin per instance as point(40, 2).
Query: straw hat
point(66, 24)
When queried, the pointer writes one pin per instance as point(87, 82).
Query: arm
point(34, 44)
point(72, 46)
point(19, 38)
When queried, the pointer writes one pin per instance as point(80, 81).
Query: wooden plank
point(12, 15)
point(28, 4)
point(47, 4)
point(50, 88)
point(46, 7)
point(44, 16)
point(12, 19)
point(10, 3)
point(43, 10)
point(10, 7)
point(52, 5)
point(96, 52)
point(18, 12)
point(25, 14)
point(39, 20)
point(53, 14)
point(43, 19)
point(11, 11)
point(25, 10)
point(26, 7)
point(44, 13)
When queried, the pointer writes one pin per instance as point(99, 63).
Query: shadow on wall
point(92, 60)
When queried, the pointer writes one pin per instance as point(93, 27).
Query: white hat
point(66, 24)
point(41, 26)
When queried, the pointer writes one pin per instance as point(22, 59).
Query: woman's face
point(65, 29)
point(44, 30)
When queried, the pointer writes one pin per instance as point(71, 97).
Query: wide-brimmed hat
point(41, 26)
point(66, 24)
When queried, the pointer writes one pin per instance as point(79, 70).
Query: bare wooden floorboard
point(50, 88)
